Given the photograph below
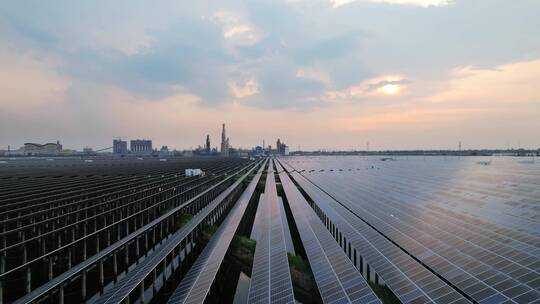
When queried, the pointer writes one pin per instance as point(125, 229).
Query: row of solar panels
point(408, 205)
point(336, 277)
point(407, 279)
point(271, 280)
point(58, 283)
point(465, 258)
point(195, 286)
point(127, 284)
point(353, 230)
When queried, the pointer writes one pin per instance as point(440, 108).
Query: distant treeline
point(480, 152)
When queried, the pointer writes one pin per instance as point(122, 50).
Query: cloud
point(280, 87)
point(316, 74)
point(236, 29)
point(249, 88)
point(200, 48)
point(485, 108)
point(371, 88)
point(388, 81)
point(421, 3)
point(324, 49)
point(302, 61)
point(510, 84)
point(29, 82)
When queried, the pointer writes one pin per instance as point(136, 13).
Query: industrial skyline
point(146, 147)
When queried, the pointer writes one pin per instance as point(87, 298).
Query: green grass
point(384, 293)
point(209, 229)
point(164, 210)
point(298, 263)
point(248, 244)
point(184, 218)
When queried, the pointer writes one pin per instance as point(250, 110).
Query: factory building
point(224, 143)
point(35, 149)
point(141, 146)
point(207, 147)
point(120, 147)
point(281, 148)
point(45, 148)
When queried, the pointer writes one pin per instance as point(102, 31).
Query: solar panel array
point(195, 286)
point(133, 278)
point(271, 279)
point(432, 229)
point(59, 276)
point(474, 226)
point(337, 278)
point(395, 266)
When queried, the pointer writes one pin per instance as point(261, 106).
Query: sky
point(318, 74)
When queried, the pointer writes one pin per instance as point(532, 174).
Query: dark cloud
point(279, 87)
point(349, 44)
point(329, 49)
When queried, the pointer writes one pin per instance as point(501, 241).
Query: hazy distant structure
point(35, 149)
point(224, 142)
point(207, 147)
point(281, 148)
point(38, 148)
point(141, 146)
point(120, 147)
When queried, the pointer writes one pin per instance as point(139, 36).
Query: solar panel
point(271, 279)
point(256, 222)
point(195, 286)
point(337, 279)
point(67, 276)
point(407, 279)
point(133, 278)
point(450, 254)
point(475, 227)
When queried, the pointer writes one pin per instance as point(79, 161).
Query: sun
point(390, 89)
